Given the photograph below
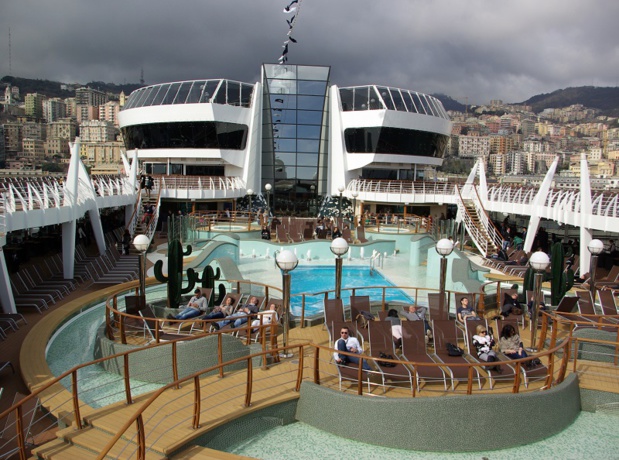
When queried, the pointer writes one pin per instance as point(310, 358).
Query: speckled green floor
point(591, 436)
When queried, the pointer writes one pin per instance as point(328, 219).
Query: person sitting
point(126, 242)
point(221, 311)
point(241, 316)
point(483, 343)
point(512, 305)
point(396, 327)
point(464, 311)
point(197, 304)
point(266, 233)
point(350, 344)
point(417, 313)
point(510, 343)
point(266, 317)
point(542, 306)
point(336, 233)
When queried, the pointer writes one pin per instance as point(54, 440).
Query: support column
point(6, 293)
point(538, 202)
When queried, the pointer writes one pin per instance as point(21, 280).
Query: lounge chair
point(446, 331)
point(507, 373)
point(349, 371)
point(281, 234)
point(607, 304)
point(414, 349)
point(347, 235)
point(230, 325)
point(381, 342)
point(154, 327)
point(538, 371)
point(610, 280)
point(507, 295)
point(434, 306)
point(334, 314)
point(361, 235)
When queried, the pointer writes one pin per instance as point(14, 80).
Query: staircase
point(139, 224)
point(480, 228)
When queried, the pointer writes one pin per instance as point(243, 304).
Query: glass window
point(310, 102)
point(234, 93)
point(285, 145)
point(307, 173)
point(317, 88)
point(220, 95)
point(361, 98)
point(141, 97)
point(386, 96)
point(149, 100)
point(286, 72)
point(194, 93)
point(163, 90)
point(396, 141)
point(283, 101)
point(425, 99)
point(306, 117)
point(246, 92)
point(375, 103)
point(313, 73)
point(285, 131)
point(284, 116)
point(288, 158)
point(159, 168)
point(176, 168)
point(346, 98)
point(209, 90)
point(397, 99)
point(307, 159)
point(308, 132)
point(304, 145)
point(410, 101)
point(420, 108)
point(183, 91)
point(169, 97)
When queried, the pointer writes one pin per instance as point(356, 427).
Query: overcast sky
point(475, 49)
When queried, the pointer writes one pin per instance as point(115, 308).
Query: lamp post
point(355, 194)
point(250, 192)
point(339, 247)
point(313, 200)
point(539, 262)
point(339, 207)
point(286, 261)
point(268, 187)
point(595, 247)
point(444, 247)
point(141, 243)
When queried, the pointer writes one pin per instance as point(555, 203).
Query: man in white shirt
point(196, 306)
point(350, 344)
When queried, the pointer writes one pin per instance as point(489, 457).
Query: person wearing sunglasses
point(483, 344)
point(350, 344)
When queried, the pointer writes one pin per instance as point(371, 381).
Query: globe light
point(141, 243)
point(339, 247)
point(267, 187)
point(286, 260)
point(539, 261)
point(444, 247)
point(595, 247)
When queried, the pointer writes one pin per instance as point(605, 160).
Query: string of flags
point(294, 8)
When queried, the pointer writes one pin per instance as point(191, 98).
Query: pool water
point(312, 279)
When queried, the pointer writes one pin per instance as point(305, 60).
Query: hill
point(604, 99)
point(53, 88)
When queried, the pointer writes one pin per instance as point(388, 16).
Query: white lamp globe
point(355, 194)
point(444, 246)
point(539, 261)
point(250, 191)
point(339, 246)
point(595, 247)
point(341, 189)
point(286, 260)
point(141, 242)
point(268, 187)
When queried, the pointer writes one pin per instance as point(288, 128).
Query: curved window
point(395, 141)
point(191, 135)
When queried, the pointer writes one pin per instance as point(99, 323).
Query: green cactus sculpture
point(175, 273)
point(208, 280)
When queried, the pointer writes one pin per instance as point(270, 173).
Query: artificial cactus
point(208, 280)
point(175, 273)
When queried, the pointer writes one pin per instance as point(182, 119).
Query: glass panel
point(384, 93)
point(285, 131)
point(159, 168)
point(397, 99)
point(246, 92)
point(148, 101)
point(209, 90)
point(428, 105)
point(361, 98)
point(141, 96)
point(284, 116)
point(131, 100)
point(307, 117)
point(288, 158)
point(420, 108)
point(183, 91)
point(310, 102)
point(171, 94)
point(278, 86)
point(176, 168)
point(317, 88)
point(410, 102)
point(234, 93)
point(307, 146)
point(286, 72)
point(308, 132)
point(283, 101)
point(194, 93)
point(346, 98)
point(307, 173)
point(313, 72)
point(307, 159)
point(161, 94)
point(375, 103)
point(220, 94)
point(285, 145)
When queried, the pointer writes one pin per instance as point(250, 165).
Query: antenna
point(10, 64)
point(142, 76)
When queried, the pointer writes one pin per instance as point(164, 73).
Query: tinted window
point(317, 88)
point(396, 141)
point(310, 102)
point(169, 98)
point(306, 117)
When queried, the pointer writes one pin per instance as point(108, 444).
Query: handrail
point(476, 233)
point(489, 226)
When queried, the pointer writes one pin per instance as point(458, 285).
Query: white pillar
point(538, 202)
point(585, 215)
point(6, 293)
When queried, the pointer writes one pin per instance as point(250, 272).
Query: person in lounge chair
point(512, 305)
point(221, 311)
point(464, 311)
point(197, 305)
point(483, 344)
point(418, 313)
point(350, 344)
point(268, 317)
point(241, 316)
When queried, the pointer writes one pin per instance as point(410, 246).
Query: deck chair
point(611, 279)
point(508, 373)
point(507, 295)
point(334, 314)
point(381, 342)
point(154, 327)
point(607, 304)
point(267, 332)
point(434, 306)
point(234, 306)
point(446, 331)
point(537, 372)
point(587, 307)
point(240, 306)
point(361, 235)
point(207, 293)
point(359, 303)
point(281, 235)
point(347, 235)
point(350, 371)
point(414, 349)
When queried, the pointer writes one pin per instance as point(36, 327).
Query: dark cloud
point(478, 49)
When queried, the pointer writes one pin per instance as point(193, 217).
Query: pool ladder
point(376, 261)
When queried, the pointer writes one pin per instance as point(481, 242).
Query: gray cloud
point(475, 49)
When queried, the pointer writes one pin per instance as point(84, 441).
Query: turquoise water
point(322, 278)
point(590, 436)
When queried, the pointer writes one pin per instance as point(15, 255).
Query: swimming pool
point(312, 279)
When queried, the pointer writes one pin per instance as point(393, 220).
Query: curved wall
point(442, 424)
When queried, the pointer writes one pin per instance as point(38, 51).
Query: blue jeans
point(187, 313)
point(242, 319)
point(346, 359)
